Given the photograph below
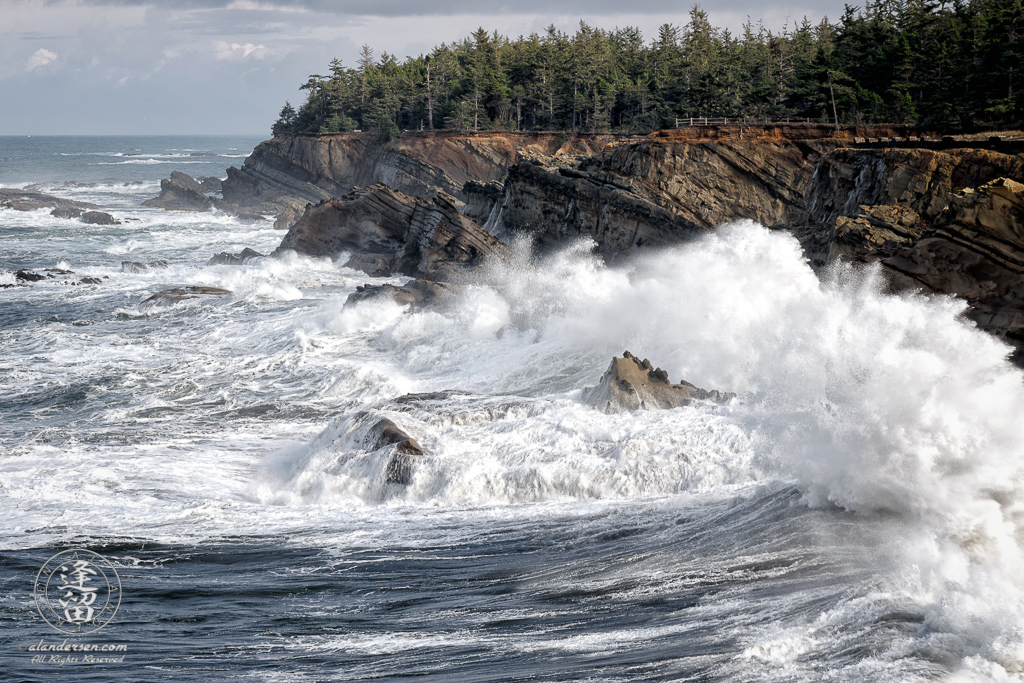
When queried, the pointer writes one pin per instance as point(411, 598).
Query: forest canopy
point(944, 64)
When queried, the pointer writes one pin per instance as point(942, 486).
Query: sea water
point(854, 514)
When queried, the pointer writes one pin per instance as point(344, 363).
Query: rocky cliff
point(385, 232)
point(946, 222)
point(289, 171)
point(926, 209)
point(659, 191)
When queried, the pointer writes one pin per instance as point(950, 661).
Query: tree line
point(917, 62)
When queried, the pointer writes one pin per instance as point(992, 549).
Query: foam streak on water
point(854, 514)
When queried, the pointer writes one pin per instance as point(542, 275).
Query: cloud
point(407, 8)
point(236, 52)
point(40, 58)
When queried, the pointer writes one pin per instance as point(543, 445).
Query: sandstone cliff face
point(948, 222)
point(388, 232)
point(659, 192)
point(289, 171)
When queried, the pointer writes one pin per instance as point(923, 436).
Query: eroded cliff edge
point(926, 210)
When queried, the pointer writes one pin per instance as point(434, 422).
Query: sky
point(164, 67)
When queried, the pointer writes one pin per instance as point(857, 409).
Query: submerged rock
point(631, 384)
point(139, 267)
point(27, 200)
point(417, 292)
point(99, 218)
point(22, 277)
point(385, 433)
point(169, 297)
point(225, 258)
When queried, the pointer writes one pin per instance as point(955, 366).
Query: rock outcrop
point(948, 222)
point(180, 192)
point(632, 384)
point(386, 434)
point(57, 275)
point(416, 293)
point(27, 200)
point(98, 218)
point(387, 232)
point(169, 297)
point(656, 192)
point(225, 258)
point(289, 171)
point(139, 267)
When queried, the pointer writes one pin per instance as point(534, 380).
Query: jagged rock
point(248, 217)
point(26, 200)
point(139, 267)
point(417, 292)
point(227, 259)
point(389, 232)
point(483, 200)
point(98, 218)
point(875, 231)
point(384, 433)
point(29, 276)
point(631, 384)
point(292, 169)
point(169, 297)
point(209, 184)
point(180, 192)
point(25, 276)
point(292, 213)
point(66, 213)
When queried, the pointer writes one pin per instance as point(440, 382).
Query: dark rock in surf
point(26, 200)
point(180, 192)
point(56, 275)
point(241, 258)
point(417, 292)
point(247, 217)
point(139, 267)
point(209, 184)
point(389, 232)
point(631, 384)
point(98, 218)
point(28, 276)
point(169, 297)
point(67, 212)
point(385, 433)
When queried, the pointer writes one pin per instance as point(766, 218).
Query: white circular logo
point(77, 591)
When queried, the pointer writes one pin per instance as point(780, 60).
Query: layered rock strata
point(656, 193)
point(387, 232)
point(287, 172)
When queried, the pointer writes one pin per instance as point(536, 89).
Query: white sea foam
point(878, 404)
point(887, 408)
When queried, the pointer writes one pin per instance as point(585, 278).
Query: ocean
point(854, 514)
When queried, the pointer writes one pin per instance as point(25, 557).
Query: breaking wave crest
point(883, 406)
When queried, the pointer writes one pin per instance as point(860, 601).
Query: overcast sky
point(81, 67)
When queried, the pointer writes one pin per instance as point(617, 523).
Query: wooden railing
point(739, 120)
